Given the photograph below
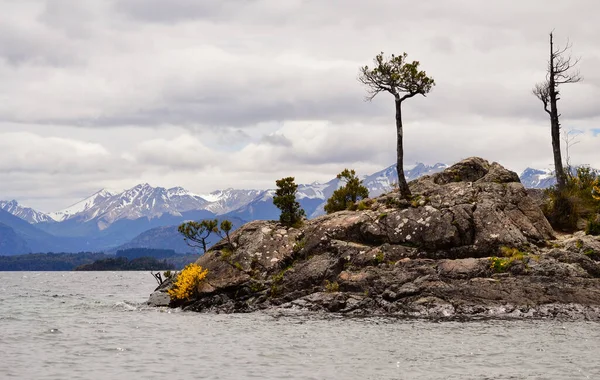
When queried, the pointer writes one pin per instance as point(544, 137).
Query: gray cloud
point(209, 94)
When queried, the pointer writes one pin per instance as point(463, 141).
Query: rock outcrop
point(470, 243)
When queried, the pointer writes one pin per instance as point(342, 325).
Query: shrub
point(332, 287)
point(346, 196)
point(593, 227)
point(510, 255)
point(285, 200)
point(186, 285)
point(579, 200)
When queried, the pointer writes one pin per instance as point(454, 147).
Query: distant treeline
point(71, 261)
point(122, 263)
point(48, 261)
point(136, 253)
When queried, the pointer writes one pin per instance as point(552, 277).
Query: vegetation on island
point(285, 200)
point(345, 197)
point(196, 234)
point(186, 282)
point(577, 201)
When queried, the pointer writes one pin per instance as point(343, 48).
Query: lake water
point(94, 325)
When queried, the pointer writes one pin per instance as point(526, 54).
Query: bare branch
point(542, 92)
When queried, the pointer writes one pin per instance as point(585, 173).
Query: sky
point(211, 94)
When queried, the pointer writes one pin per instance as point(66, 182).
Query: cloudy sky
point(209, 94)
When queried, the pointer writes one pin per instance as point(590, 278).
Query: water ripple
point(90, 325)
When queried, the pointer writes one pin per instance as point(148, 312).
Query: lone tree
point(285, 200)
point(403, 80)
point(560, 71)
point(346, 196)
point(196, 234)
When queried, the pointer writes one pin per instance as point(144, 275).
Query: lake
point(95, 325)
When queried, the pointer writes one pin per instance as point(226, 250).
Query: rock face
point(470, 243)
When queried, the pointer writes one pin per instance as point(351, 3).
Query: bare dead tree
point(403, 80)
point(560, 71)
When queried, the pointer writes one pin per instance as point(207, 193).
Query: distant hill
point(11, 243)
point(26, 235)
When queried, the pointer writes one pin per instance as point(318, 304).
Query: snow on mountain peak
point(26, 213)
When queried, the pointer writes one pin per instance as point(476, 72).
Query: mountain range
point(146, 216)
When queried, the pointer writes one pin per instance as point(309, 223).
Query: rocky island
point(471, 243)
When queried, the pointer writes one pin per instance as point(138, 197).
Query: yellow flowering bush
point(186, 285)
point(596, 191)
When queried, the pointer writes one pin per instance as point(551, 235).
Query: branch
point(562, 64)
point(542, 92)
point(409, 95)
point(374, 83)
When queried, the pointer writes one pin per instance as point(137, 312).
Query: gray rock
point(159, 298)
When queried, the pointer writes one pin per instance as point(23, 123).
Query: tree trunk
point(561, 179)
point(402, 185)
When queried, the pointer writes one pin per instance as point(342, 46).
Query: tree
point(285, 200)
point(196, 233)
point(226, 227)
point(403, 80)
point(347, 195)
point(560, 71)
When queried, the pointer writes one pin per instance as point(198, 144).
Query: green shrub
point(379, 257)
point(510, 255)
point(363, 205)
point(593, 227)
point(332, 287)
point(578, 200)
point(345, 197)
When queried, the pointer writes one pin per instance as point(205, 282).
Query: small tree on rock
point(346, 196)
point(196, 234)
point(285, 200)
point(403, 80)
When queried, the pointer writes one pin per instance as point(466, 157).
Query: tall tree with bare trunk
point(403, 80)
point(560, 71)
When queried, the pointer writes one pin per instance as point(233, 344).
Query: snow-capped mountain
point(139, 201)
point(383, 181)
point(25, 213)
point(313, 197)
point(544, 178)
point(537, 179)
point(81, 206)
point(223, 201)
